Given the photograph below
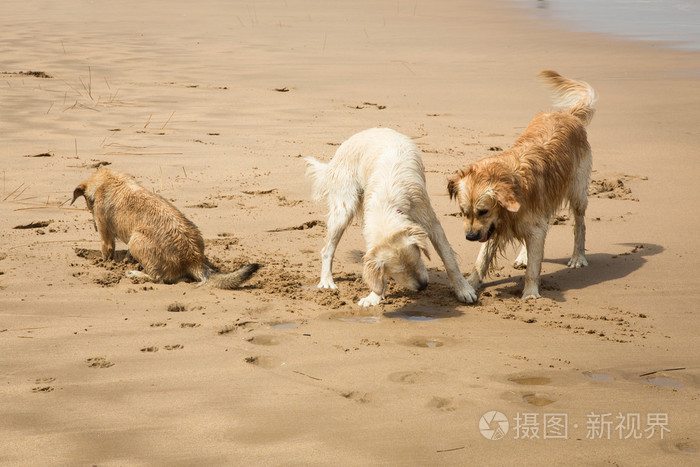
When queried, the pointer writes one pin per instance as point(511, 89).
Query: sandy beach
point(213, 105)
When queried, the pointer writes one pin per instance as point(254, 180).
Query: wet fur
point(511, 196)
point(167, 244)
point(378, 175)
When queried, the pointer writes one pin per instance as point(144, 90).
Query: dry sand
point(212, 105)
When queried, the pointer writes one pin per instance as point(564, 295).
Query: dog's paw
point(578, 262)
point(370, 300)
point(326, 284)
point(521, 261)
point(465, 292)
point(531, 294)
point(137, 275)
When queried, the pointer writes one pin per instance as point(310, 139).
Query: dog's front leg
point(464, 291)
point(108, 241)
point(482, 264)
point(535, 254)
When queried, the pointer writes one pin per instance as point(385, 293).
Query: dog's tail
point(317, 171)
point(574, 97)
point(231, 280)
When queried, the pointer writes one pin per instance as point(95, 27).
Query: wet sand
point(214, 106)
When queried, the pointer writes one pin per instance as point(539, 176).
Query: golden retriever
point(512, 195)
point(167, 244)
point(378, 174)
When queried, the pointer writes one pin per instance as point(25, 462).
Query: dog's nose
point(422, 285)
point(473, 236)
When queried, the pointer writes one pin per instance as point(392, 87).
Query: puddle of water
point(537, 400)
point(360, 319)
point(284, 325)
point(418, 316)
point(664, 382)
point(686, 447)
point(263, 340)
point(428, 343)
point(531, 381)
point(598, 376)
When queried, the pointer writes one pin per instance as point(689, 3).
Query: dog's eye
point(482, 212)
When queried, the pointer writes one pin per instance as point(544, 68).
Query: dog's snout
point(422, 285)
point(473, 236)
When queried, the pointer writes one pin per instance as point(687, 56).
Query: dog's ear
point(452, 187)
point(78, 192)
point(373, 271)
point(417, 236)
point(506, 198)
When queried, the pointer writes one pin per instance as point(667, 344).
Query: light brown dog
point(167, 244)
point(511, 196)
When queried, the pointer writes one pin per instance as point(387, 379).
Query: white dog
point(378, 174)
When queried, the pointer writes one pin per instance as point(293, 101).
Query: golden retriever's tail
point(233, 279)
point(318, 171)
point(574, 97)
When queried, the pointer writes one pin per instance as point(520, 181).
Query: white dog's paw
point(465, 292)
point(521, 261)
point(370, 300)
point(578, 261)
point(326, 284)
point(530, 294)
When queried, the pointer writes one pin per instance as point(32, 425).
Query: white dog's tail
point(574, 97)
point(318, 171)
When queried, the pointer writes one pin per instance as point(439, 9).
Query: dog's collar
point(399, 211)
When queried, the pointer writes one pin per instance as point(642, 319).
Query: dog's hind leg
point(578, 200)
point(535, 254)
point(464, 291)
point(578, 257)
point(338, 220)
point(144, 251)
point(139, 275)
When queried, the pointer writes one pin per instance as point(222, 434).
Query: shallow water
point(428, 343)
point(603, 377)
point(531, 380)
point(415, 316)
point(675, 22)
point(360, 319)
point(665, 382)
